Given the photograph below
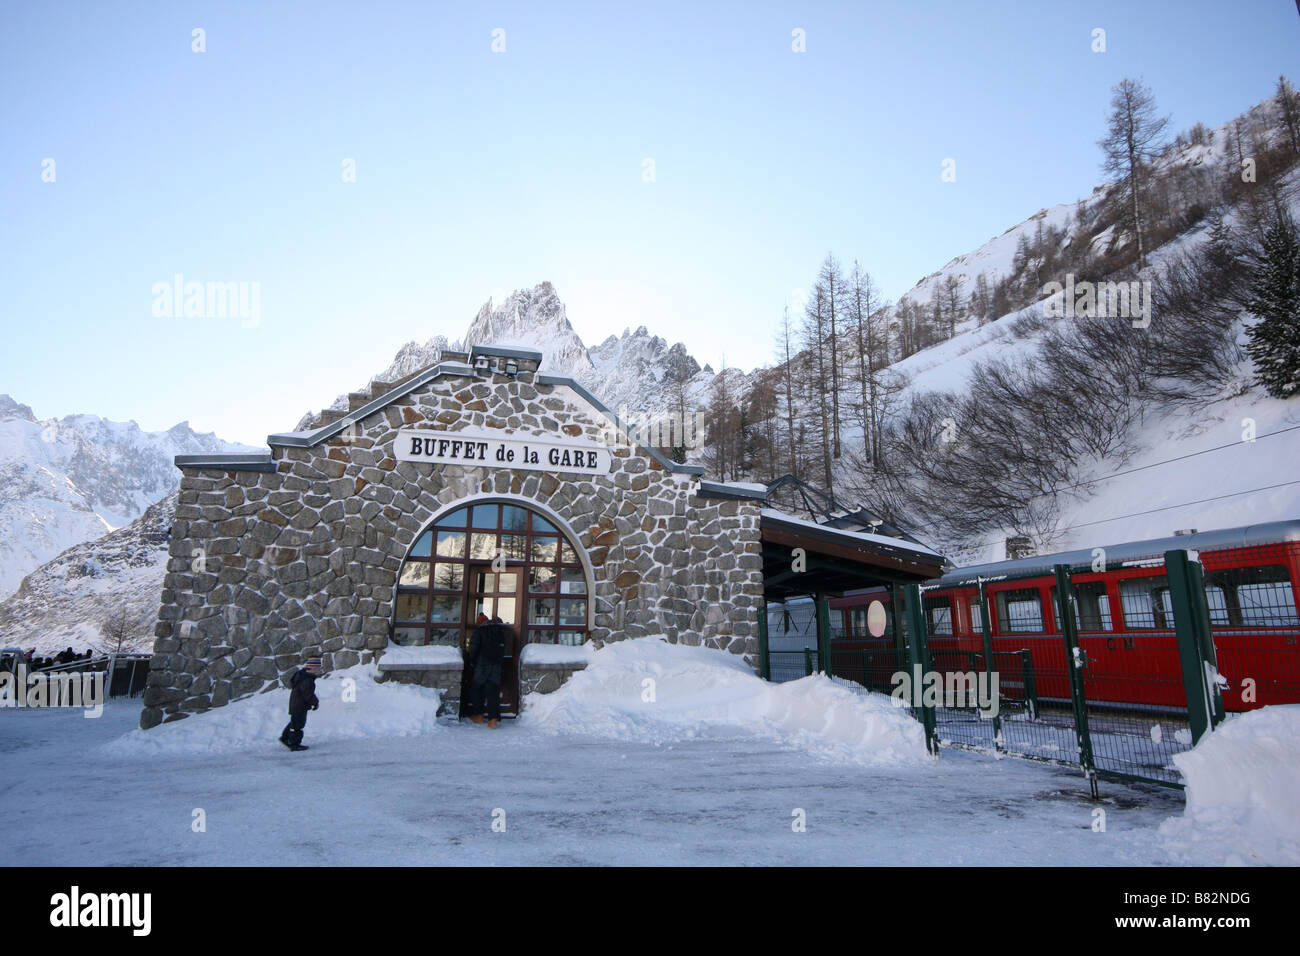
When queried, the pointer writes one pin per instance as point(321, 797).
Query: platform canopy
point(836, 560)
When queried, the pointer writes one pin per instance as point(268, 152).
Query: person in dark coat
point(486, 654)
point(302, 698)
point(466, 700)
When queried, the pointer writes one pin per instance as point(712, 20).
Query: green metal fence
point(1055, 702)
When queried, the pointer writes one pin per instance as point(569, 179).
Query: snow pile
point(563, 654)
point(437, 654)
point(1242, 786)
point(255, 723)
point(651, 691)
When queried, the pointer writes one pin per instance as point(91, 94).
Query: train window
point(858, 622)
point(1251, 597)
point(858, 617)
point(1020, 611)
point(976, 616)
point(1093, 606)
point(938, 615)
point(1146, 603)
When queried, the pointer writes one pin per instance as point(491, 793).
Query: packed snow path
point(720, 798)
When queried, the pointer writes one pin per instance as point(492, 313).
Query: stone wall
point(443, 677)
point(544, 678)
point(267, 567)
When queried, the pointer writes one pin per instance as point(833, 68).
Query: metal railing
point(1119, 706)
point(125, 674)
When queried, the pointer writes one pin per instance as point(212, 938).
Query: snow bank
point(556, 654)
point(1242, 786)
point(255, 723)
point(651, 691)
point(421, 654)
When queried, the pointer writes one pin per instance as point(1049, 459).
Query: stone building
point(475, 487)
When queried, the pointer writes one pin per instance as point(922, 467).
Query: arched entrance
point(486, 559)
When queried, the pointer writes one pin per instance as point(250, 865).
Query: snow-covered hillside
point(1156, 487)
point(69, 480)
point(1082, 222)
point(66, 601)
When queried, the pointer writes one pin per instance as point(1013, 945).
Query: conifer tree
point(1274, 341)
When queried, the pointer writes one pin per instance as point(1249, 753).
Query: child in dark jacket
point(302, 698)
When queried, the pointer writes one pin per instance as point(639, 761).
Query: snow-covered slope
point(69, 480)
point(995, 258)
point(66, 601)
point(1083, 223)
point(1156, 488)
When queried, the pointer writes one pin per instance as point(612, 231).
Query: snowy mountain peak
point(535, 318)
point(632, 372)
point(11, 409)
point(65, 481)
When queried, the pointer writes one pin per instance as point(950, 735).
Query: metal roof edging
point(506, 351)
point(262, 463)
point(714, 489)
point(326, 432)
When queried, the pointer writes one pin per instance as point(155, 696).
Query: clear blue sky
point(480, 171)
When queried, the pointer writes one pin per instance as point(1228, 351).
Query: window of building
point(538, 585)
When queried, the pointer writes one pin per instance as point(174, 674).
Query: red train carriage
point(1125, 619)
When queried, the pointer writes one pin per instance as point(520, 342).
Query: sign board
point(491, 448)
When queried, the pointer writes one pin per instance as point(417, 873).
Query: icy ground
point(655, 754)
point(428, 800)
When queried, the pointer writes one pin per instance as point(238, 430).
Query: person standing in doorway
point(302, 698)
point(486, 654)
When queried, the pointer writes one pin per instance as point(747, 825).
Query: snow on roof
point(743, 485)
point(733, 489)
point(517, 348)
point(861, 536)
point(1152, 548)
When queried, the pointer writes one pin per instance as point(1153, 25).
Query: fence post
point(921, 662)
point(1210, 657)
point(764, 658)
point(824, 634)
point(1031, 689)
point(807, 662)
point(986, 627)
point(1191, 627)
point(1074, 663)
point(896, 612)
